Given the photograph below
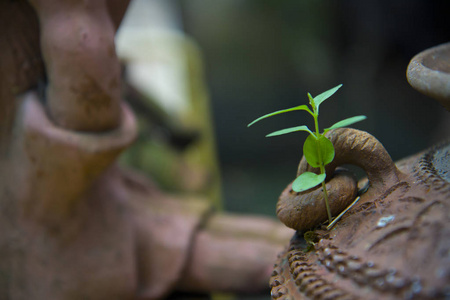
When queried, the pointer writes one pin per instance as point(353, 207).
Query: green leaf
point(311, 101)
point(347, 122)
point(301, 107)
point(289, 130)
point(306, 181)
point(325, 95)
point(318, 150)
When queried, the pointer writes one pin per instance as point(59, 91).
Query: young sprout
point(317, 149)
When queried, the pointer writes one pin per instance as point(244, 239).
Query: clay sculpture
point(73, 224)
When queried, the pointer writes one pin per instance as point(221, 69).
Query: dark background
point(261, 56)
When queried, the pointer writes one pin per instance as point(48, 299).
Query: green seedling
point(317, 149)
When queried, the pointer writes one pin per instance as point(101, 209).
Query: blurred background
point(258, 56)
point(199, 71)
point(262, 56)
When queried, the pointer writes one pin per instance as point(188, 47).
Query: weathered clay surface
point(359, 148)
point(391, 245)
point(302, 211)
point(305, 210)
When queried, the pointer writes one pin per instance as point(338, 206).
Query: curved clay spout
point(302, 211)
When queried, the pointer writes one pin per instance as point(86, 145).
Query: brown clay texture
point(303, 211)
point(394, 244)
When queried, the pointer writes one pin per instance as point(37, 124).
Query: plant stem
point(325, 194)
point(322, 167)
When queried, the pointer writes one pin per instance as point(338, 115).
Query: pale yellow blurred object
point(165, 67)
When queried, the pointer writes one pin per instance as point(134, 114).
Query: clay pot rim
point(429, 77)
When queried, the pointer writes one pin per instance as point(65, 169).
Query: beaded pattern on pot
point(311, 285)
point(303, 274)
point(427, 175)
point(366, 273)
